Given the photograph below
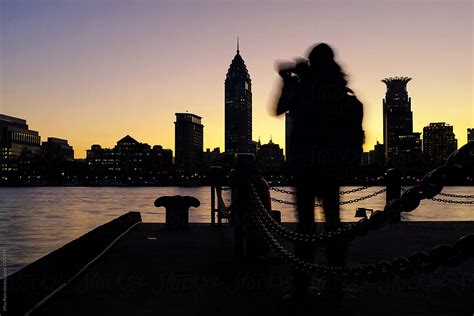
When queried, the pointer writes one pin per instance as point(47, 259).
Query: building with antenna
point(238, 107)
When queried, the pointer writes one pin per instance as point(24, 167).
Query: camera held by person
point(297, 69)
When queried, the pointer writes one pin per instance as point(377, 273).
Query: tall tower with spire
point(238, 106)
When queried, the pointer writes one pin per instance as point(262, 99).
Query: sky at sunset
point(93, 71)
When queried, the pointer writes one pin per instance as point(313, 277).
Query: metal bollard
point(177, 210)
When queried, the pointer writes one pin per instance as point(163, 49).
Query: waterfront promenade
point(152, 271)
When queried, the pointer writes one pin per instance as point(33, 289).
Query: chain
point(419, 261)
point(459, 196)
point(354, 190)
point(431, 185)
point(285, 202)
point(348, 232)
point(341, 203)
point(364, 197)
point(270, 221)
point(282, 191)
point(340, 193)
point(452, 201)
point(446, 255)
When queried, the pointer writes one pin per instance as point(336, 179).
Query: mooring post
point(177, 210)
point(241, 201)
point(392, 181)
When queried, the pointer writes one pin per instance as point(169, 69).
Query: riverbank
point(152, 271)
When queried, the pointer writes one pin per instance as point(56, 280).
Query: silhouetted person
point(325, 142)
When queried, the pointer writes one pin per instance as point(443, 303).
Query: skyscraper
point(238, 107)
point(439, 141)
point(189, 136)
point(397, 116)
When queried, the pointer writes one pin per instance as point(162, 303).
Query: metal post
point(392, 181)
point(213, 204)
point(241, 201)
point(216, 172)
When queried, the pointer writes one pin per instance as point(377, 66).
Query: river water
point(35, 221)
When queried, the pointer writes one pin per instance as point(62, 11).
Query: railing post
point(392, 181)
point(241, 201)
point(215, 173)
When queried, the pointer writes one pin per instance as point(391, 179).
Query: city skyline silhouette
point(92, 74)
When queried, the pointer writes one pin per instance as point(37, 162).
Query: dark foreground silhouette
point(325, 142)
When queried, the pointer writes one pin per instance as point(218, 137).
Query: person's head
point(322, 63)
point(320, 54)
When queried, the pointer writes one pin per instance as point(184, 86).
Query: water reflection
point(35, 221)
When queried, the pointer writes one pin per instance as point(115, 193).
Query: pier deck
point(151, 271)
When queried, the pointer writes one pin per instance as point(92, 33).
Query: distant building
point(189, 141)
point(270, 158)
point(57, 160)
point(129, 158)
point(376, 156)
point(212, 158)
point(19, 146)
point(57, 149)
point(470, 135)
point(439, 141)
point(159, 160)
point(238, 107)
point(397, 116)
